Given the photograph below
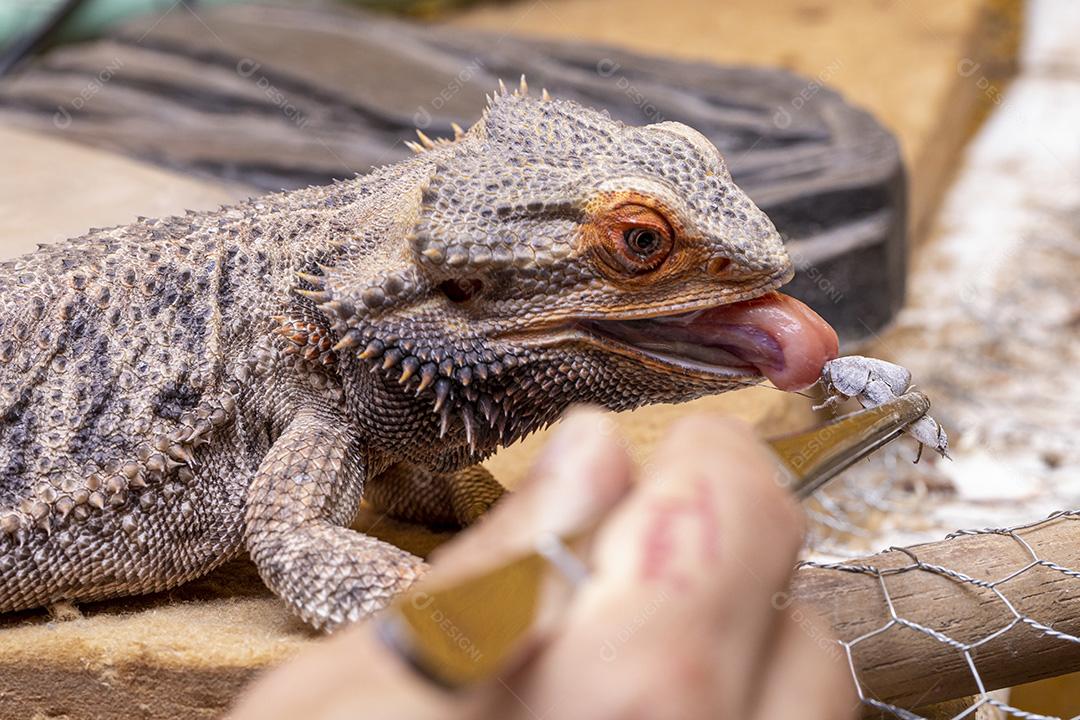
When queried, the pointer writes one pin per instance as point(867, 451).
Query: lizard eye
point(642, 241)
point(638, 239)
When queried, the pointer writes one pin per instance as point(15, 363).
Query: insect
point(873, 382)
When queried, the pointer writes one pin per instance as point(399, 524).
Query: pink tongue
point(784, 339)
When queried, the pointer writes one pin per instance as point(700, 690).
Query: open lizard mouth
point(773, 335)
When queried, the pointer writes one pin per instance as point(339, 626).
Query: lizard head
point(558, 255)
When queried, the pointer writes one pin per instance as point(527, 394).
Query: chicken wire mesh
point(1012, 605)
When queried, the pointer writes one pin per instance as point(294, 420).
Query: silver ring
point(552, 548)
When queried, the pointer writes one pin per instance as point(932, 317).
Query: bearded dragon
point(177, 391)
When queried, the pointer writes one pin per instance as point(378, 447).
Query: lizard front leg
point(307, 488)
point(415, 494)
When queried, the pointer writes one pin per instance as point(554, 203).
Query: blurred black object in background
point(270, 97)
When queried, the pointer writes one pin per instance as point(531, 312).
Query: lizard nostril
point(461, 290)
point(717, 266)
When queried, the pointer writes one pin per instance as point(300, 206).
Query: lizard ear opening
point(461, 290)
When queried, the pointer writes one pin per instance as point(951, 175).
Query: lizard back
point(106, 342)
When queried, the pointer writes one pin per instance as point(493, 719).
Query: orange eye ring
point(636, 239)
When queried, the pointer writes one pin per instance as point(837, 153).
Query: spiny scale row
point(496, 255)
point(169, 456)
point(449, 374)
point(427, 143)
point(452, 380)
point(426, 363)
point(392, 285)
point(394, 351)
point(308, 340)
point(50, 507)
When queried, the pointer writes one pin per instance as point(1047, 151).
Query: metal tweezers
point(464, 633)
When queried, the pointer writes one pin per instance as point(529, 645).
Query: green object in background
point(20, 17)
point(28, 27)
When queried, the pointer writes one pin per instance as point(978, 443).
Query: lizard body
point(176, 391)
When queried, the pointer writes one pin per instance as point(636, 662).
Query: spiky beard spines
point(472, 389)
point(467, 387)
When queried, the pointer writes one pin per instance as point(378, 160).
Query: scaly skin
point(175, 391)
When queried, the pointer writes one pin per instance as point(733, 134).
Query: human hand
point(678, 618)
